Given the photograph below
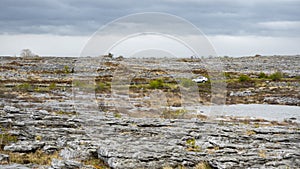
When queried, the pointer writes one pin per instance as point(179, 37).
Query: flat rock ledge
point(125, 143)
point(153, 143)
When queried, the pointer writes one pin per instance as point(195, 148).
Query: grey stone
point(282, 100)
point(4, 159)
point(241, 93)
point(22, 166)
point(43, 112)
point(10, 109)
point(65, 164)
point(68, 153)
point(49, 149)
point(24, 146)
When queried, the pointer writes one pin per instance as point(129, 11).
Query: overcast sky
point(235, 27)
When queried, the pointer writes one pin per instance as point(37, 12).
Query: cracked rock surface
point(153, 143)
point(37, 115)
point(189, 142)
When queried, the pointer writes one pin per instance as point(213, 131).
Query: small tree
point(257, 55)
point(110, 55)
point(27, 53)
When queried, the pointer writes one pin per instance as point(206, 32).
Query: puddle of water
point(263, 111)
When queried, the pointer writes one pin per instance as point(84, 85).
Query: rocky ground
point(69, 142)
point(42, 128)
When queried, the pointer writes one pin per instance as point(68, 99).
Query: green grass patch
point(191, 145)
point(262, 75)
point(117, 115)
point(244, 78)
point(139, 86)
point(38, 157)
point(42, 89)
point(6, 138)
point(185, 82)
point(276, 76)
point(25, 87)
point(83, 84)
point(101, 86)
point(66, 113)
point(174, 114)
point(227, 75)
point(67, 69)
point(172, 86)
point(96, 162)
point(156, 84)
point(52, 86)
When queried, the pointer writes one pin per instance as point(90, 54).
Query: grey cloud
point(79, 17)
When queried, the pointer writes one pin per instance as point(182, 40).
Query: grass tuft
point(203, 165)
point(276, 76)
point(174, 114)
point(156, 84)
point(191, 145)
point(65, 113)
point(250, 132)
point(96, 163)
point(244, 78)
point(37, 157)
point(6, 139)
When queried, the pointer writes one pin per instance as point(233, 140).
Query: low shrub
point(227, 75)
point(191, 145)
point(276, 76)
point(25, 87)
point(117, 115)
point(38, 138)
point(185, 82)
point(67, 69)
point(100, 86)
point(244, 78)
point(156, 84)
point(262, 75)
point(52, 86)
